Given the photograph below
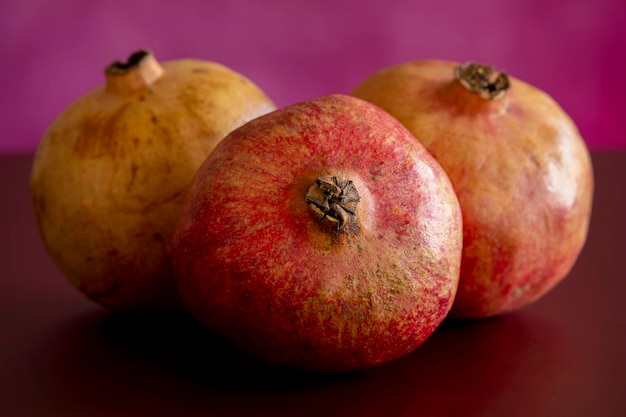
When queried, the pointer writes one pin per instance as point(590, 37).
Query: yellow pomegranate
point(110, 174)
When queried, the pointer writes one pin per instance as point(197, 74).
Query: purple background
point(52, 52)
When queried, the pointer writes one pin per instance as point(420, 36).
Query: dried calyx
point(140, 70)
point(482, 80)
point(335, 199)
point(132, 61)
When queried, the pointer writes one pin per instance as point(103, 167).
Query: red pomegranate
point(518, 165)
point(321, 236)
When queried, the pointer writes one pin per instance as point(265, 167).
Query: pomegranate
point(321, 236)
point(518, 165)
point(109, 176)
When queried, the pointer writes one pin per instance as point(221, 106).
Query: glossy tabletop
point(62, 355)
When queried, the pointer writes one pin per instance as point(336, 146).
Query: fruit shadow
point(160, 362)
point(178, 346)
point(504, 365)
point(199, 353)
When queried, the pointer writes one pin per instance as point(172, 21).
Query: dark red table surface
point(62, 355)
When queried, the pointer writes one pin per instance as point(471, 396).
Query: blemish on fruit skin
point(158, 237)
point(133, 175)
point(520, 291)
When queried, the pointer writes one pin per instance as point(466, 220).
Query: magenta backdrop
point(55, 51)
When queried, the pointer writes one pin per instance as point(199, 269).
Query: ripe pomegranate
point(518, 165)
point(321, 236)
point(110, 174)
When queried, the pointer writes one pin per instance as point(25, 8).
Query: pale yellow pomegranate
point(110, 175)
point(518, 165)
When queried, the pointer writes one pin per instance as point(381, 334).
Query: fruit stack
point(331, 235)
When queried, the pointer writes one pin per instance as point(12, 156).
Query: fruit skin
point(109, 176)
point(256, 267)
point(520, 169)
